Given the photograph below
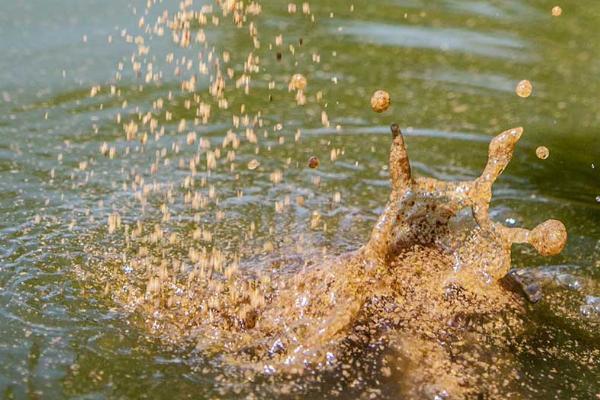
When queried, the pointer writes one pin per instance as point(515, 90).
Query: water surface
point(451, 68)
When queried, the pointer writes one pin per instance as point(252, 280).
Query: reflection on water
point(465, 82)
point(444, 39)
point(451, 68)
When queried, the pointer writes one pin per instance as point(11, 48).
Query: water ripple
point(493, 45)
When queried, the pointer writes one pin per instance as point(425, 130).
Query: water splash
point(427, 283)
point(412, 305)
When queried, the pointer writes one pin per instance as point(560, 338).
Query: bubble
point(556, 11)
point(298, 82)
point(524, 88)
point(591, 307)
point(253, 164)
point(542, 152)
point(313, 162)
point(380, 101)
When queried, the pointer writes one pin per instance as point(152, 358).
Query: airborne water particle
point(542, 152)
point(300, 98)
point(524, 88)
point(104, 149)
point(298, 82)
point(313, 162)
point(253, 164)
point(556, 11)
point(380, 101)
point(324, 119)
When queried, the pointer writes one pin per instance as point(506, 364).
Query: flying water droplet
point(542, 152)
point(380, 101)
point(524, 88)
point(556, 11)
point(253, 164)
point(313, 162)
point(298, 82)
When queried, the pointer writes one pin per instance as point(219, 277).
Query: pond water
point(451, 68)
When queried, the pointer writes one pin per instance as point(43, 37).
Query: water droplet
point(298, 82)
point(253, 164)
point(380, 101)
point(524, 88)
point(556, 11)
point(542, 152)
point(313, 162)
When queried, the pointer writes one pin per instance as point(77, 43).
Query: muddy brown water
point(451, 69)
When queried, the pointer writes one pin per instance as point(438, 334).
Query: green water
point(451, 67)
